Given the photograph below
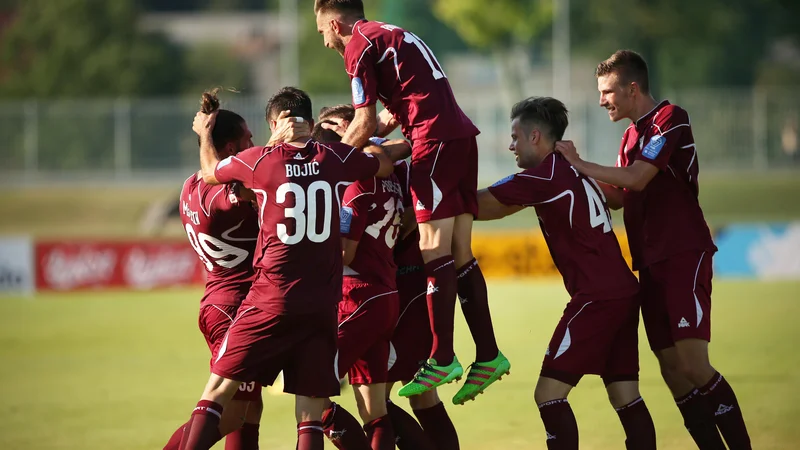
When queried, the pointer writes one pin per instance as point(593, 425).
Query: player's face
point(615, 97)
point(247, 139)
point(327, 26)
point(523, 145)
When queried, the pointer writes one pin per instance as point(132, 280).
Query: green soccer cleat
point(480, 376)
point(431, 376)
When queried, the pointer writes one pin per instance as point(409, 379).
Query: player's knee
point(424, 401)
point(233, 417)
point(546, 392)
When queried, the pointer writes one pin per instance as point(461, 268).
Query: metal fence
point(128, 139)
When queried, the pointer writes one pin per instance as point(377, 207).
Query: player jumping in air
point(288, 320)
point(394, 66)
point(411, 339)
point(655, 180)
point(222, 227)
point(598, 333)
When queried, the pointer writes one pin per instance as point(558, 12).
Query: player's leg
point(240, 422)
point(639, 429)
point(433, 418)
point(203, 429)
point(308, 413)
point(490, 364)
point(694, 408)
point(557, 416)
point(408, 432)
point(371, 402)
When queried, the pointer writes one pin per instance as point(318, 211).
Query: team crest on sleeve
point(345, 219)
point(653, 148)
point(358, 91)
point(224, 162)
point(503, 181)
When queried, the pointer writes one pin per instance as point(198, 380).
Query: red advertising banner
point(64, 266)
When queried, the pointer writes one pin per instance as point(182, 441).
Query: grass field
point(123, 370)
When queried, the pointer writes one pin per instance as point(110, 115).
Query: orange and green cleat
point(480, 376)
point(431, 376)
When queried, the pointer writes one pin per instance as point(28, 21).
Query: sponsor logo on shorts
point(420, 206)
point(683, 323)
point(550, 436)
point(432, 288)
point(547, 351)
point(462, 299)
point(723, 409)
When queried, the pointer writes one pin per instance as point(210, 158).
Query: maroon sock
point(727, 414)
point(442, 307)
point(380, 433)
point(475, 306)
point(343, 430)
point(245, 438)
point(438, 426)
point(410, 435)
point(699, 421)
point(174, 442)
point(560, 425)
point(202, 431)
point(310, 436)
point(640, 432)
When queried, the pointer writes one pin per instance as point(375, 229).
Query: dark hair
point(344, 111)
point(629, 66)
point(297, 102)
point(323, 135)
point(228, 127)
point(546, 112)
point(353, 8)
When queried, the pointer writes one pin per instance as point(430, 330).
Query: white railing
point(124, 139)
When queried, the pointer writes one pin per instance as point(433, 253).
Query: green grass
point(116, 212)
point(122, 370)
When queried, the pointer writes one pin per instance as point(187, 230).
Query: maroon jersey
point(576, 225)
point(371, 213)
point(223, 231)
point(299, 252)
point(394, 66)
point(665, 218)
point(407, 255)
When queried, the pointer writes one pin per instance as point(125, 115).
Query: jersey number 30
point(304, 212)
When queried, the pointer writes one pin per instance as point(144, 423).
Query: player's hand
point(335, 125)
point(204, 123)
point(289, 129)
point(567, 148)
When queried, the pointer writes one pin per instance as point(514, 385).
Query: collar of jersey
point(651, 112)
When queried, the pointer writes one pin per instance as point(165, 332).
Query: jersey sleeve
point(238, 167)
point(358, 199)
point(670, 124)
point(522, 189)
point(360, 59)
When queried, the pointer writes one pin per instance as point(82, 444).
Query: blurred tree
point(506, 28)
point(212, 65)
point(71, 48)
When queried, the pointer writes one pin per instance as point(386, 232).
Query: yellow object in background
point(522, 253)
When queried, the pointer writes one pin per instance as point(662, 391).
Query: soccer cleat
point(431, 376)
point(480, 376)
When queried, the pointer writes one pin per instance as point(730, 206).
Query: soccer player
point(411, 338)
point(598, 332)
point(288, 320)
point(222, 228)
point(390, 64)
point(655, 180)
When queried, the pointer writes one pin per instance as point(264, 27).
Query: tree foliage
point(497, 23)
point(70, 48)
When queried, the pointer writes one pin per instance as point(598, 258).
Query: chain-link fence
point(134, 138)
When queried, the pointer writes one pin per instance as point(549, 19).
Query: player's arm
point(614, 195)
point(349, 248)
point(386, 123)
point(490, 208)
point(397, 149)
point(386, 164)
point(634, 177)
point(362, 127)
point(203, 125)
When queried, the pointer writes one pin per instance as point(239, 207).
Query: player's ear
point(272, 125)
point(335, 26)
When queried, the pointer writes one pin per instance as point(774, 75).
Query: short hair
point(321, 134)
point(296, 101)
point(345, 111)
point(353, 8)
point(546, 112)
point(228, 127)
point(629, 66)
